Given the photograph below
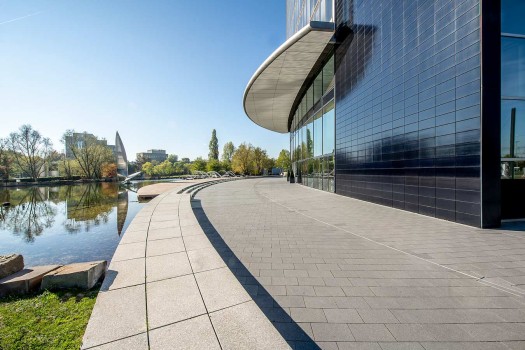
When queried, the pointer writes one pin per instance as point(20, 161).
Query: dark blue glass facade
point(409, 110)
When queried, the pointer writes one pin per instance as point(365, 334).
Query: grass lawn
point(48, 320)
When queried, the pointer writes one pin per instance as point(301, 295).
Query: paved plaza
point(332, 272)
point(263, 264)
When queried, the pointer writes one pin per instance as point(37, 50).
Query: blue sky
point(162, 73)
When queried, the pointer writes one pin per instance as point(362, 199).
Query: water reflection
point(65, 224)
point(122, 210)
point(29, 214)
point(89, 205)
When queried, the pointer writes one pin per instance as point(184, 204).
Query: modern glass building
point(414, 104)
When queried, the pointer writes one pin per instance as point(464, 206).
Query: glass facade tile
point(513, 66)
point(512, 16)
point(513, 92)
point(408, 97)
point(301, 12)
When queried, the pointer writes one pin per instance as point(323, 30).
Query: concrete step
point(10, 264)
point(25, 281)
point(80, 275)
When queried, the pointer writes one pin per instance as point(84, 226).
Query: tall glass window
point(513, 67)
point(513, 129)
point(512, 89)
point(512, 16)
point(310, 138)
point(318, 134)
point(313, 126)
point(329, 129)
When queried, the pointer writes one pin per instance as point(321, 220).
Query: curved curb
point(168, 287)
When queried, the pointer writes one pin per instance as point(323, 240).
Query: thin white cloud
point(19, 18)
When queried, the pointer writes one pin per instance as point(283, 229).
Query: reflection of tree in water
point(88, 205)
point(29, 213)
point(122, 210)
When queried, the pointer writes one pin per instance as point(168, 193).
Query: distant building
point(118, 149)
point(158, 155)
point(80, 138)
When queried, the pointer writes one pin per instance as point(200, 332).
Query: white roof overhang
point(273, 89)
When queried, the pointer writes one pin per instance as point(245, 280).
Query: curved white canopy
point(272, 90)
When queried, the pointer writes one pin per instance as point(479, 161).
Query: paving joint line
point(196, 282)
point(116, 340)
point(145, 271)
point(494, 285)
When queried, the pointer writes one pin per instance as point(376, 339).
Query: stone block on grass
point(79, 275)
point(25, 281)
point(10, 264)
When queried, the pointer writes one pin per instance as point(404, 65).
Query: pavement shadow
point(294, 335)
point(108, 279)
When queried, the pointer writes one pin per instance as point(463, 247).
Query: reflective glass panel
point(328, 75)
point(309, 98)
point(318, 134)
point(512, 16)
point(309, 137)
point(304, 148)
point(318, 88)
point(512, 110)
point(329, 129)
point(512, 67)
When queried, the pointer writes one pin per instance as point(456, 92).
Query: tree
point(283, 161)
point(109, 170)
point(259, 160)
point(269, 164)
point(198, 164)
point(213, 165)
point(141, 159)
point(309, 143)
point(242, 158)
point(226, 165)
point(185, 160)
point(227, 151)
point(147, 168)
point(89, 152)
point(68, 167)
point(214, 146)
point(164, 169)
point(5, 159)
point(30, 150)
point(173, 158)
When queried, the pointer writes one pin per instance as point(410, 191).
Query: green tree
point(198, 164)
point(242, 158)
point(214, 146)
point(5, 160)
point(141, 159)
point(283, 161)
point(164, 169)
point(148, 168)
point(213, 165)
point(269, 164)
point(226, 165)
point(173, 158)
point(259, 160)
point(68, 167)
point(309, 143)
point(227, 151)
point(30, 150)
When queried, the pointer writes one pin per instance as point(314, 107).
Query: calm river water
point(66, 224)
